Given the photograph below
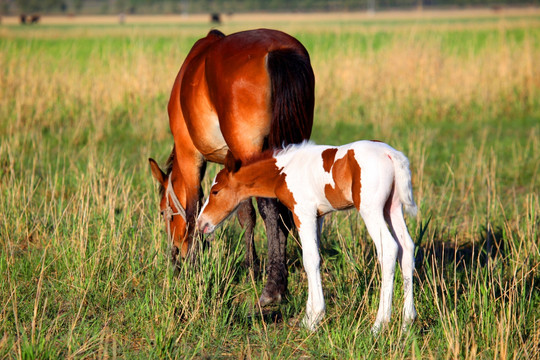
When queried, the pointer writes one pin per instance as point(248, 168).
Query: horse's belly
point(210, 141)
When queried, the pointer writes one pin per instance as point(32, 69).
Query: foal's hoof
point(306, 322)
point(407, 324)
point(295, 322)
point(377, 328)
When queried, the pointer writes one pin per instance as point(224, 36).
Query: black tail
point(293, 96)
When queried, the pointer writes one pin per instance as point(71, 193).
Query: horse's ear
point(156, 172)
point(231, 164)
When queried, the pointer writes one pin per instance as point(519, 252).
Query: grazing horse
point(235, 96)
point(312, 181)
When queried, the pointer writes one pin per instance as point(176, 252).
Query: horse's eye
point(215, 192)
point(162, 212)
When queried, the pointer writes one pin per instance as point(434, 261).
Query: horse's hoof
point(175, 261)
point(276, 285)
point(267, 298)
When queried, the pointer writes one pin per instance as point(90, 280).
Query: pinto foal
point(314, 180)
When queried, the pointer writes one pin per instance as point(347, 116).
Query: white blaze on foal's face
point(220, 203)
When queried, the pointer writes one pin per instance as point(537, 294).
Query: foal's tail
point(403, 184)
point(293, 96)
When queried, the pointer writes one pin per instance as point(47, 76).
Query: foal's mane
point(294, 147)
point(267, 154)
point(264, 155)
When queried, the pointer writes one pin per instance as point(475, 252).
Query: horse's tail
point(293, 96)
point(402, 181)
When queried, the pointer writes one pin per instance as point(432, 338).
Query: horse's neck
point(260, 178)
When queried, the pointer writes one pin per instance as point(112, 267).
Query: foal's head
point(225, 196)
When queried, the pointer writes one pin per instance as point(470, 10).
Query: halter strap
point(169, 211)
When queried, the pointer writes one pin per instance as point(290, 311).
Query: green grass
point(83, 251)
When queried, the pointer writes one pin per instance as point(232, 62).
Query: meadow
point(84, 260)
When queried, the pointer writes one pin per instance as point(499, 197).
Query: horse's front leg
point(190, 170)
point(277, 222)
point(309, 231)
point(246, 217)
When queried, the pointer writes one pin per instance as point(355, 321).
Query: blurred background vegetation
point(11, 7)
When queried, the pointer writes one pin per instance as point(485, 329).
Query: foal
point(314, 180)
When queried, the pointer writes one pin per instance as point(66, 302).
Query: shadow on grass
point(491, 245)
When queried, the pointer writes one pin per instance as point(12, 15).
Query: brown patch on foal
point(346, 175)
point(328, 157)
point(285, 195)
point(356, 185)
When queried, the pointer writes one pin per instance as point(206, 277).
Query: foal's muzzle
point(205, 226)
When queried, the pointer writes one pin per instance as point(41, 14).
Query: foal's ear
point(231, 164)
point(156, 171)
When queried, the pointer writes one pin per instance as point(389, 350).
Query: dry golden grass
point(82, 247)
point(420, 71)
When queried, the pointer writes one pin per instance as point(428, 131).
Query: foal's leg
point(394, 217)
point(308, 229)
point(273, 214)
point(387, 250)
point(320, 221)
point(246, 217)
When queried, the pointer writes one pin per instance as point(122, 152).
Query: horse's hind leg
point(274, 214)
point(246, 217)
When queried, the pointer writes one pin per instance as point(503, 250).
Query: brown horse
point(235, 96)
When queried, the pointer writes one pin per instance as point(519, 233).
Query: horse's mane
point(170, 160)
point(168, 169)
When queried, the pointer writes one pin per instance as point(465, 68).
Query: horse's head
point(225, 196)
point(172, 210)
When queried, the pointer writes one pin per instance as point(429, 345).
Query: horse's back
point(226, 94)
point(257, 42)
point(223, 97)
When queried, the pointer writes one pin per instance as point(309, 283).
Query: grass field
point(84, 260)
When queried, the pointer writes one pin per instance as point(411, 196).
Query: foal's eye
point(215, 192)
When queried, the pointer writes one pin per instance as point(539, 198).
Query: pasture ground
point(83, 252)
